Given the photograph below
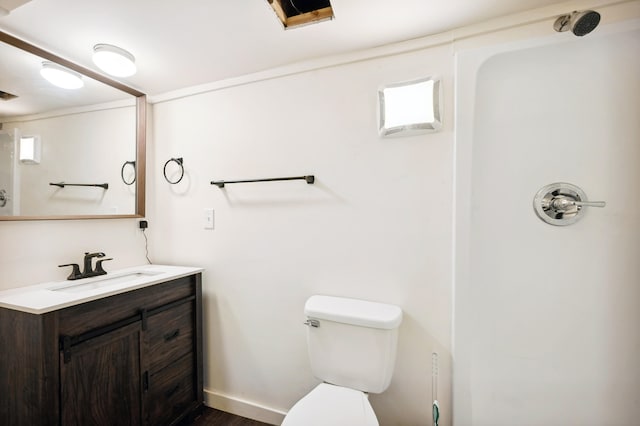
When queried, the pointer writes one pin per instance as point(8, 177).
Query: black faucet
point(88, 267)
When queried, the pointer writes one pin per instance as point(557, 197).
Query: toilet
point(352, 349)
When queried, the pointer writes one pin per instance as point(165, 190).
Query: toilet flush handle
point(312, 322)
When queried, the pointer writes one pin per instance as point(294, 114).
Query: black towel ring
point(133, 163)
point(180, 163)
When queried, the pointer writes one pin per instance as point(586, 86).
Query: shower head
point(580, 23)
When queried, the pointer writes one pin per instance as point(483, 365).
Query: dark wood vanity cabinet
point(130, 359)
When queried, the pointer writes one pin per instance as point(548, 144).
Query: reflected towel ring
point(3, 198)
point(179, 162)
point(133, 163)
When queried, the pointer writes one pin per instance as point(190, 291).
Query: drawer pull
point(170, 336)
point(172, 391)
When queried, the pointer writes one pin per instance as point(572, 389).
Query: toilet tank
point(352, 342)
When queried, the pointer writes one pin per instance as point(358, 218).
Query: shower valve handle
point(562, 203)
point(589, 203)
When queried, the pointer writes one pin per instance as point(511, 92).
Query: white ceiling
point(183, 43)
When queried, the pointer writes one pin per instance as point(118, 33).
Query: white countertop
point(50, 296)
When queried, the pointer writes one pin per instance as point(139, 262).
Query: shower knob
point(562, 203)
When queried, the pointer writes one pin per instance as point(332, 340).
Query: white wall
point(376, 225)
point(30, 252)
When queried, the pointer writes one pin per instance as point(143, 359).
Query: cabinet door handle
point(145, 381)
point(144, 316)
point(170, 336)
point(65, 347)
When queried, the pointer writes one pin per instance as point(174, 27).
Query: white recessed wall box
point(410, 107)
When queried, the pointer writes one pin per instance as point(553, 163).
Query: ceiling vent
point(295, 13)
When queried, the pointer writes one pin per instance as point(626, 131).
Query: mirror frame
point(141, 129)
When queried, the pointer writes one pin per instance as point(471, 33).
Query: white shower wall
point(546, 318)
point(8, 180)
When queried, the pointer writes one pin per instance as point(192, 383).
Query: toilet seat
point(330, 405)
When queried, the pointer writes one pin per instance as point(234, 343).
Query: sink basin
point(102, 281)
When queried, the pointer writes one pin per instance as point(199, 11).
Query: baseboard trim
point(244, 408)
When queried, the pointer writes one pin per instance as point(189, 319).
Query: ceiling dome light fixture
point(61, 76)
point(114, 60)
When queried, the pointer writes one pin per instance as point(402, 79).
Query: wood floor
point(212, 417)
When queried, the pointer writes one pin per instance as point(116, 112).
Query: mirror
point(90, 142)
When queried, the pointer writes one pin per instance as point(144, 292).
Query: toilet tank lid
point(353, 311)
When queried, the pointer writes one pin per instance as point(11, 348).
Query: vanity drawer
point(99, 313)
point(169, 335)
point(171, 392)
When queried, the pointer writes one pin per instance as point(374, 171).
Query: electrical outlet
point(208, 218)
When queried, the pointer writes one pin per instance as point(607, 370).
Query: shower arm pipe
point(62, 184)
point(310, 179)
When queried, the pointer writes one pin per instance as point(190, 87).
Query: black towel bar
point(62, 184)
point(310, 179)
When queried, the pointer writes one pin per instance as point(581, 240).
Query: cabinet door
point(100, 382)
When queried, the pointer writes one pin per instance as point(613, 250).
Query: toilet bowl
point(330, 405)
point(352, 349)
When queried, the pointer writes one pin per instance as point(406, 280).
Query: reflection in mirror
point(87, 137)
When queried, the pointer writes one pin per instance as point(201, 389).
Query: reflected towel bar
point(310, 179)
point(62, 184)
